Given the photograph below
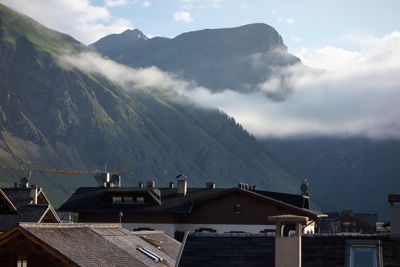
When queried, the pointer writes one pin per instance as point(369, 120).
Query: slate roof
point(259, 250)
point(25, 211)
point(88, 199)
point(102, 244)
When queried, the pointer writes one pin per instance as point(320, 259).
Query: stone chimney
point(182, 186)
point(210, 185)
point(151, 184)
point(289, 229)
point(34, 194)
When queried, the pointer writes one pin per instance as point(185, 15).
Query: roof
point(26, 211)
point(100, 244)
point(259, 250)
point(88, 199)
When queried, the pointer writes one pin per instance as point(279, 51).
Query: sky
point(356, 42)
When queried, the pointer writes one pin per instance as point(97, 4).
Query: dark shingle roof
point(257, 250)
point(102, 245)
point(88, 199)
point(26, 211)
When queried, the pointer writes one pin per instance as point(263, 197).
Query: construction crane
point(105, 178)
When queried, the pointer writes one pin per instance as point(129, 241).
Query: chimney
point(289, 229)
point(171, 185)
point(24, 182)
point(151, 184)
point(182, 187)
point(34, 194)
point(140, 185)
point(394, 201)
point(210, 185)
point(253, 188)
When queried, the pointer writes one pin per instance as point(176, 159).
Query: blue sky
point(301, 23)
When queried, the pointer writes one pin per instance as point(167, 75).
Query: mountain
point(54, 116)
point(345, 173)
point(352, 173)
point(235, 58)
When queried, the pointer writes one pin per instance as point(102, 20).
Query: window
point(116, 199)
point(22, 262)
point(140, 200)
point(128, 199)
point(363, 253)
point(237, 207)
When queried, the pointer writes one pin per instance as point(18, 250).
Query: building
point(176, 210)
point(348, 221)
point(25, 204)
point(85, 245)
point(253, 250)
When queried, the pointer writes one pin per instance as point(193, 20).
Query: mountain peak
point(123, 39)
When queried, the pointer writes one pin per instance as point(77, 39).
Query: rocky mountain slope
point(235, 58)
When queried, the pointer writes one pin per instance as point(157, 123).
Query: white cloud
point(146, 4)
point(357, 98)
point(289, 20)
point(183, 15)
point(190, 4)
point(114, 3)
point(79, 18)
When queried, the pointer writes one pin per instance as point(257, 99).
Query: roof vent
point(171, 185)
point(210, 185)
point(140, 185)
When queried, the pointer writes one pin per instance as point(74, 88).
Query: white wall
point(220, 228)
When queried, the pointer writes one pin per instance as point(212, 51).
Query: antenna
point(304, 188)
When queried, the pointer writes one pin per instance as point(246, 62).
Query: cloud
point(79, 18)
point(359, 97)
point(114, 3)
point(191, 4)
point(183, 15)
point(146, 4)
point(287, 20)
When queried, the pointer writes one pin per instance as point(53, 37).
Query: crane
point(105, 178)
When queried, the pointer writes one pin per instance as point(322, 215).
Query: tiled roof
point(258, 250)
point(103, 245)
point(89, 199)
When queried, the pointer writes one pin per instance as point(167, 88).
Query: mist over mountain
point(347, 169)
point(57, 115)
point(236, 58)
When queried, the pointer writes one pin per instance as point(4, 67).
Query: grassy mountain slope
point(55, 117)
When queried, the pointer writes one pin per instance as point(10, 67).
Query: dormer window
point(116, 199)
point(128, 199)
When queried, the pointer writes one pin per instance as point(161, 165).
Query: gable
point(6, 206)
point(41, 198)
point(49, 217)
point(17, 243)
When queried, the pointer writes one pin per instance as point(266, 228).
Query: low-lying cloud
point(355, 95)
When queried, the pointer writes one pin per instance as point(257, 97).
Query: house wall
point(253, 211)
